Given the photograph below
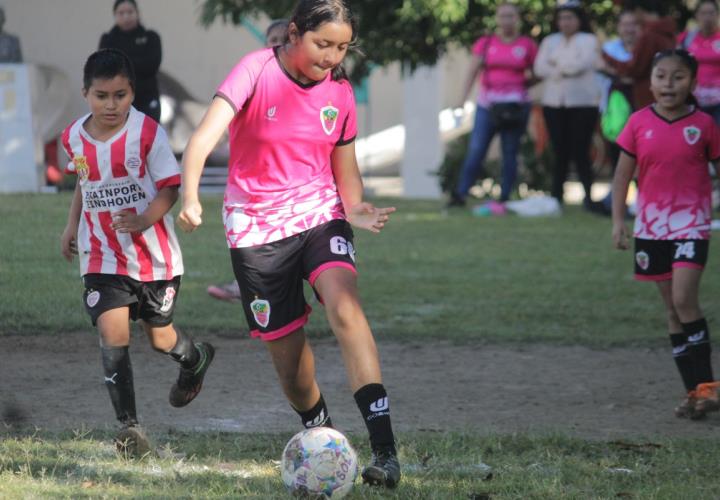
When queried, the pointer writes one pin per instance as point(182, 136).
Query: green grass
point(429, 275)
point(85, 465)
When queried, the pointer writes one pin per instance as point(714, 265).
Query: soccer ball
point(319, 463)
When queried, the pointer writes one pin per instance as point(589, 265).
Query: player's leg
point(156, 309)
point(114, 329)
point(271, 287)
point(685, 294)
point(338, 289)
point(295, 366)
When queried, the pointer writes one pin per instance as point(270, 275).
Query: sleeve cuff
point(227, 99)
point(345, 142)
point(168, 182)
point(626, 151)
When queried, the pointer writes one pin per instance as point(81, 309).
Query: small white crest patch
point(168, 299)
point(643, 260)
point(261, 311)
point(692, 134)
point(92, 298)
point(329, 117)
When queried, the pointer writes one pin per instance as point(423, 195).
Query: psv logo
point(81, 167)
point(328, 118)
point(692, 134)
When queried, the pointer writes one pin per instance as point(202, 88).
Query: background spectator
point(144, 49)
point(704, 44)
point(9, 44)
point(504, 60)
point(567, 61)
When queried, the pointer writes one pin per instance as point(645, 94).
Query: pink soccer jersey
point(124, 173)
point(707, 52)
point(280, 180)
point(674, 186)
point(503, 79)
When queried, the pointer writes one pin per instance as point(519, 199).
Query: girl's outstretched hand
point(620, 237)
point(190, 217)
point(367, 216)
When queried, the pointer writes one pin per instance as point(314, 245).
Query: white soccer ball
point(319, 463)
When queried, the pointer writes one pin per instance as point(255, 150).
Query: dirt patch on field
point(589, 393)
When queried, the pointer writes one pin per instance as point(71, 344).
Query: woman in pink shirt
point(704, 44)
point(502, 68)
point(293, 191)
point(670, 143)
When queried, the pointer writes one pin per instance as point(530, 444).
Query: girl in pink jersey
point(704, 44)
point(670, 144)
point(293, 191)
point(120, 228)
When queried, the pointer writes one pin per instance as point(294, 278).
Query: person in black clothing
point(144, 49)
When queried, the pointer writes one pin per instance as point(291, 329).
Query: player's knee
point(344, 310)
point(684, 304)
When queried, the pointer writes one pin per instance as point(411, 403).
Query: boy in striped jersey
point(119, 225)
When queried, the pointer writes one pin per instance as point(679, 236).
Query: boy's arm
point(350, 188)
point(68, 240)
point(127, 221)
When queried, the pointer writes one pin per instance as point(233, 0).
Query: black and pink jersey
point(124, 173)
point(674, 185)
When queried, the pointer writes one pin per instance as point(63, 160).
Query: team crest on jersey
point(519, 52)
point(81, 167)
point(643, 260)
point(261, 311)
point(168, 299)
point(328, 118)
point(692, 134)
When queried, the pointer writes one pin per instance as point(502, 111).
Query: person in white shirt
point(567, 61)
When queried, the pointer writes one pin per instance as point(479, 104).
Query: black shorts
point(656, 259)
point(151, 301)
point(271, 276)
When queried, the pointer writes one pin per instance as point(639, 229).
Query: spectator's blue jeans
point(482, 134)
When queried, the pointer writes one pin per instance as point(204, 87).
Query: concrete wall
point(62, 33)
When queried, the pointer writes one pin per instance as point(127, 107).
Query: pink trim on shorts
point(328, 265)
point(654, 277)
point(285, 330)
point(689, 265)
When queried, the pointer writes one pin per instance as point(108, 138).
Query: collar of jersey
point(112, 139)
point(692, 112)
point(292, 78)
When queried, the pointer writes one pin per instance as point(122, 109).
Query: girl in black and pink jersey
point(670, 143)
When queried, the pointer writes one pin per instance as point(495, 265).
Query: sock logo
point(318, 421)
point(111, 379)
point(679, 349)
point(380, 405)
point(697, 337)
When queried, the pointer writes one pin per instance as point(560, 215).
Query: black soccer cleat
point(384, 469)
point(190, 380)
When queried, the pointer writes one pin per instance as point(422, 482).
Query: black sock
point(317, 416)
point(185, 351)
point(119, 382)
point(683, 360)
point(373, 403)
point(699, 347)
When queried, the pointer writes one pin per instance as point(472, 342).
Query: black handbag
point(504, 115)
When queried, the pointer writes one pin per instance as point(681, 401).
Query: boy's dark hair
point(576, 8)
point(106, 64)
point(118, 3)
point(309, 15)
point(686, 58)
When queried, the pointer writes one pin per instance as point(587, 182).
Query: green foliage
point(414, 32)
point(533, 170)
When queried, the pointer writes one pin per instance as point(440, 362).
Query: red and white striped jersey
point(124, 173)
